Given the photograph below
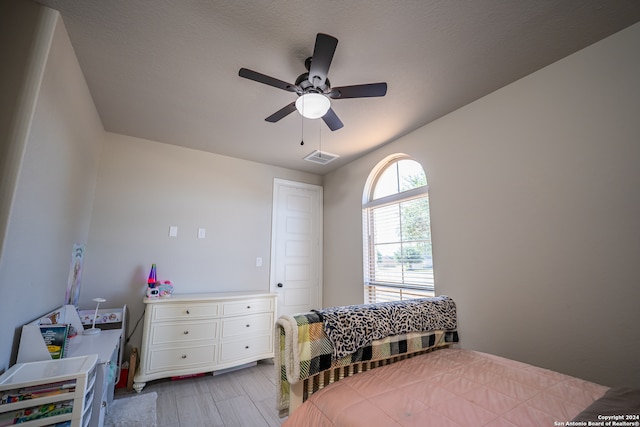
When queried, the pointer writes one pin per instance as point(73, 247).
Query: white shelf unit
point(107, 345)
point(77, 373)
point(188, 334)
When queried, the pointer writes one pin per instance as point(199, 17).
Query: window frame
point(392, 290)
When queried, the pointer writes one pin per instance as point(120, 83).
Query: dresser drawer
point(251, 346)
point(177, 333)
point(234, 308)
point(257, 323)
point(182, 358)
point(185, 311)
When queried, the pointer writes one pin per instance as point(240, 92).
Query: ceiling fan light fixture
point(313, 105)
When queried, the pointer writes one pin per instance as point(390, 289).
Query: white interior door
point(296, 246)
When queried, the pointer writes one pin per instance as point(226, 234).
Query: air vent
point(321, 157)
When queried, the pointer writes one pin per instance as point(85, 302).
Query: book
point(37, 391)
point(36, 413)
point(43, 411)
point(49, 386)
point(55, 338)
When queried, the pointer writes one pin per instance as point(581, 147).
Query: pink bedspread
point(450, 387)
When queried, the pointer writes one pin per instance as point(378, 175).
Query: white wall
point(535, 207)
point(144, 187)
point(55, 180)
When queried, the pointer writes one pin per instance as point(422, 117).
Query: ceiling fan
point(313, 87)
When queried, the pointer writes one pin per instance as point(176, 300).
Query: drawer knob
point(103, 404)
point(184, 356)
point(246, 346)
point(248, 306)
point(188, 312)
point(186, 332)
point(248, 326)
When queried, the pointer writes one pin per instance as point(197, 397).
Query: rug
point(134, 411)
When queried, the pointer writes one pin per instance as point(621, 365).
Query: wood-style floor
point(244, 397)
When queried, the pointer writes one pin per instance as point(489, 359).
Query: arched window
point(397, 232)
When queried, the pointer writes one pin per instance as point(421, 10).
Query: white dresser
point(193, 333)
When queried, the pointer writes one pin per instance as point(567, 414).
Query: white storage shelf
point(107, 346)
point(78, 373)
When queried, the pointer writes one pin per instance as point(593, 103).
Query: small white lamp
point(93, 330)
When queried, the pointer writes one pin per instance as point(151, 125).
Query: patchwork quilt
point(303, 348)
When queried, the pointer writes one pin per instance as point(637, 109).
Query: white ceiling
point(167, 70)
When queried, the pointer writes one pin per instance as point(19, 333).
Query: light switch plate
point(173, 231)
point(202, 233)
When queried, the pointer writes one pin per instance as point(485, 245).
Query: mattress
point(449, 387)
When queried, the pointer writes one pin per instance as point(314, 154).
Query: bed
point(399, 364)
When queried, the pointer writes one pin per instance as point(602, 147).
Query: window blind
point(399, 264)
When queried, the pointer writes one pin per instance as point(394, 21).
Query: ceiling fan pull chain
point(302, 127)
point(320, 141)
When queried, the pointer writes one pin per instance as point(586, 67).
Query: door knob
point(280, 285)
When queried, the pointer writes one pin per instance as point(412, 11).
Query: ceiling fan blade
point(322, 56)
point(262, 78)
point(281, 113)
point(359, 91)
point(332, 120)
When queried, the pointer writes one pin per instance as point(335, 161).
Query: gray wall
point(18, 39)
point(56, 145)
point(535, 206)
point(74, 177)
point(144, 187)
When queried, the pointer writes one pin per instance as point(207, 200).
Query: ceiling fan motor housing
point(307, 87)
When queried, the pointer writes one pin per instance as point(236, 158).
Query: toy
point(166, 289)
point(153, 292)
point(157, 288)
